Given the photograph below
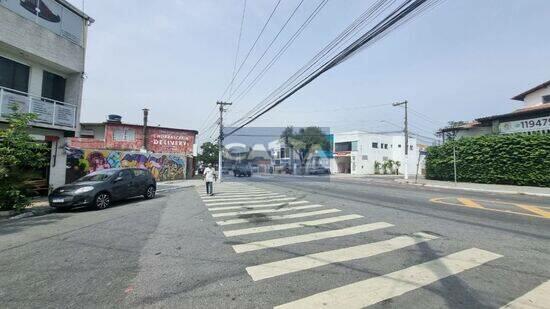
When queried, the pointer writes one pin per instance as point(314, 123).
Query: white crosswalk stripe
point(301, 263)
point(264, 211)
point(280, 217)
point(283, 199)
point(537, 298)
point(290, 240)
point(243, 198)
point(245, 207)
point(377, 289)
point(279, 227)
point(234, 194)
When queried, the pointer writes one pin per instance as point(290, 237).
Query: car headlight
point(83, 190)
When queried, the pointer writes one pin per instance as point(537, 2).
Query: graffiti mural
point(163, 166)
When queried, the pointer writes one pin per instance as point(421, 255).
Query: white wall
point(365, 156)
point(535, 97)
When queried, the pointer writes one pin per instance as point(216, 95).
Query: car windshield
point(97, 176)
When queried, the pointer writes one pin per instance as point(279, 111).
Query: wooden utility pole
point(220, 138)
point(406, 131)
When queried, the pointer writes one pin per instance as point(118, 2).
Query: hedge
point(500, 159)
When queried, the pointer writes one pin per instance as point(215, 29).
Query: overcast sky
point(461, 60)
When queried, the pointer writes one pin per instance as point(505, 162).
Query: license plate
point(58, 200)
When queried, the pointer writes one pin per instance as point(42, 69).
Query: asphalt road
point(353, 243)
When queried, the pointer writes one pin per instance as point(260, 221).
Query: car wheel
point(102, 200)
point(150, 192)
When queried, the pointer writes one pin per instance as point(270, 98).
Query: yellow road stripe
point(469, 203)
point(541, 212)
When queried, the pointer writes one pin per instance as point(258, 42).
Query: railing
point(49, 112)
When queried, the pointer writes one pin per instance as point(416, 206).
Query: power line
point(238, 47)
point(389, 22)
point(252, 47)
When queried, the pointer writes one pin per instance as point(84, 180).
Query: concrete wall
point(536, 97)
point(365, 155)
point(36, 41)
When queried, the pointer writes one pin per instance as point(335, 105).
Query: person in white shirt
point(209, 174)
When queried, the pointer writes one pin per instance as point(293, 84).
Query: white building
point(42, 52)
point(357, 152)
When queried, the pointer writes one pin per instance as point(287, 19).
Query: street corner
point(514, 208)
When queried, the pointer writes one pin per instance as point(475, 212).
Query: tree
point(209, 153)
point(305, 141)
point(19, 153)
point(377, 166)
point(390, 166)
point(385, 166)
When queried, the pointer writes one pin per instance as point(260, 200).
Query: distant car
point(242, 170)
point(101, 188)
point(318, 170)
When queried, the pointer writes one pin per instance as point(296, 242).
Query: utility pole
point(145, 118)
point(406, 131)
point(220, 138)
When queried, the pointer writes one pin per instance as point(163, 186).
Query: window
point(345, 146)
point(124, 135)
point(374, 145)
point(14, 75)
point(354, 146)
point(125, 174)
point(546, 98)
point(385, 146)
point(398, 145)
point(139, 172)
point(411, 147)
point(53, 86)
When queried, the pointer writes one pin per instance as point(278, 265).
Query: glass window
point(124, 135)
point(354, 146)
point(53, 86)
point(14, 75)
point(546, 99)
point(139, 172)
point(125, 174)
point(345, 146)
point(374, 145)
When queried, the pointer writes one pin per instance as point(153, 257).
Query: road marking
point(294, 225)
point(261, 211)
point(284, 241)
point(534, 209)
point(375, 290)
point(252, 202)
point(240, 193)
point(248, 207)
point(281, 217)
point(310, 261)
point(239, 197)
point(469, 203)
point(541, 212)
point(537, 298)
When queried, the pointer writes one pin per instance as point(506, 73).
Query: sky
point(460, 60)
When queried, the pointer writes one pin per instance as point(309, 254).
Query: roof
point(466, 126)
point(135, 125)
point(535, 109)
point(521, 96)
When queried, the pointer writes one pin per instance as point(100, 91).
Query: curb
point(474, 189)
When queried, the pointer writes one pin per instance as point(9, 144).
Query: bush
point(501, 159)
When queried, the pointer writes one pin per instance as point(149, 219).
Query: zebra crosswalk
point(258, 212)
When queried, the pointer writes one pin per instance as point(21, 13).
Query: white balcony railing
point(50, 113)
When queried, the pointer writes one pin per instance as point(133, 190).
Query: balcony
point(50, 113)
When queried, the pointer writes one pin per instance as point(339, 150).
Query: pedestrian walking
point(209, 174)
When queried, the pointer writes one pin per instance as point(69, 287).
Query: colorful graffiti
point(163, 166)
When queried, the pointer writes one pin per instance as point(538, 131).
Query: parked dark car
point(242, 170)
point(101, 188)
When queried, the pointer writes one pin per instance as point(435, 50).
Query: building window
point(546, 99)
point(398, 145)
point(374, 145)
point(53, 86)
point(385, 146)
point(124, 135)
point(354, 146)
point(14, 75)
point(345, 146)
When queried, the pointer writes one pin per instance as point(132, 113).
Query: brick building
point(168, 152)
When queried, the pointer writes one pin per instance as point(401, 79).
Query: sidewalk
point(479, 187)
point(166, 186)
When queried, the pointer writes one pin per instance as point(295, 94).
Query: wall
point(536, 97)
point(33, 39)
point(162, 166)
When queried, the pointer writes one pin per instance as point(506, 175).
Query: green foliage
point(306, 141)
point(500, 159)
point(19, 154)
point(397, 165)
point(209, 153)
point(377, 166)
